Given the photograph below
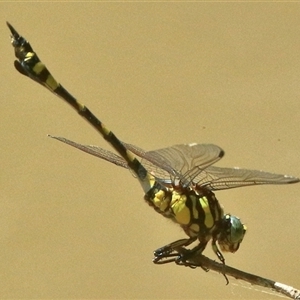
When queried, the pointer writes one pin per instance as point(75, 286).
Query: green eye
point(237, 230)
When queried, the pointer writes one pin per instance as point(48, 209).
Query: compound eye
point(232, 235)
point(237, 230)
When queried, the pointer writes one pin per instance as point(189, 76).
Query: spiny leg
point(217, 251)
point(220, 256)
point(171, 252)
point(183, 258)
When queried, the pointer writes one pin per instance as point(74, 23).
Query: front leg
point(183, 258)
point(172, 251)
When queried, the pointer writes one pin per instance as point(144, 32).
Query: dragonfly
point(178, 182)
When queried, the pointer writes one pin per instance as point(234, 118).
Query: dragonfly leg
point(183, 258)
point(217, 251)
point(172, 251)
point(221, 258)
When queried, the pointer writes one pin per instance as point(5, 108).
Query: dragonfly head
point(232, 233)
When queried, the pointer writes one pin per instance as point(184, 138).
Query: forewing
point(183, 161)
point(111, 157)
point(189, 158)
point(217, 178)
point(154, 162)
point(96, 151)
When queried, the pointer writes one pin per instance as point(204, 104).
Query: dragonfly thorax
point(200, 215)
point(196, 210)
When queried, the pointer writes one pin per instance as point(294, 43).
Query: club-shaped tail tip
point(13, 31)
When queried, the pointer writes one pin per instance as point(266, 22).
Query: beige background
point(73, 226)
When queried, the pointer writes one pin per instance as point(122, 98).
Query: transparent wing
point(96, 151)
point(184, 161)
point(109, 156)
point(162, 163)
point(154, 163)
point(216, 178)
